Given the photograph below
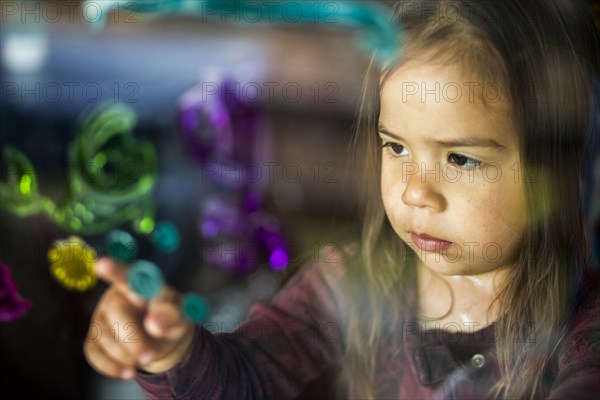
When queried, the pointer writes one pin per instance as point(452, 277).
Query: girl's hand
point(157, 335)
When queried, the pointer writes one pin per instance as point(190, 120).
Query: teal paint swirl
point(376, 32)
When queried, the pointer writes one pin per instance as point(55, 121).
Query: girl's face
point(451, 174)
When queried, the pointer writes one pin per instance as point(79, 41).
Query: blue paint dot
point(145, 279)
point(121, 246)
point(194, 307)
point(166, 237)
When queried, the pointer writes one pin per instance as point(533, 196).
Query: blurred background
point(58, 67)
point(278, 185)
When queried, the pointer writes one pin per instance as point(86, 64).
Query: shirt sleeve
point(579, 357)
point(273, 355)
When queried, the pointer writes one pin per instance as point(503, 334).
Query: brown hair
point(542, 54)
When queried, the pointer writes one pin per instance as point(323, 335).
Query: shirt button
point(478, 360)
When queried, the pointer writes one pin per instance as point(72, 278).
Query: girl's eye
point(395, 148)
point(463, 161)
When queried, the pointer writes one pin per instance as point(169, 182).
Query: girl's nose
point(423, 191)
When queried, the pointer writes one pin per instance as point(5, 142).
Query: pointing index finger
point(116, 275)
point(109, 271)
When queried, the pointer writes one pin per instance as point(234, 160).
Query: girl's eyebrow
point(461, 142)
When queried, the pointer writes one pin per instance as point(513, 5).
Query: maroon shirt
point(295, 344)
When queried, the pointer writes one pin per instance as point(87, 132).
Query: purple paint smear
point(12, 305)
point(242, 236)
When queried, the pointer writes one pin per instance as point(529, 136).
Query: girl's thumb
point(164, 320)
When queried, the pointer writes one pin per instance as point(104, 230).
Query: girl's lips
point(429, 243)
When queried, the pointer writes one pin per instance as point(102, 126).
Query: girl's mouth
point(429, 243)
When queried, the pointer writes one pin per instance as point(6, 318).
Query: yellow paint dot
point(80, 209)
point(146, 182)
point(52, 254)
point(25, 185)
point(88, 217)
point(146, 225)
point(72, 263)
point(75, 223)
point(100, 160)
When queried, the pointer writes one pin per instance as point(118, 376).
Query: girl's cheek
point(391, 186)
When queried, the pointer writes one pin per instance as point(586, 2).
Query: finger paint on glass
point(72, 263)
point(111, 177)
point(12, 304)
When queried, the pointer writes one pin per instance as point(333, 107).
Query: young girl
point(471, 277)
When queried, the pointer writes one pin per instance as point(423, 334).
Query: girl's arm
point(281, 347)
point(579, 357)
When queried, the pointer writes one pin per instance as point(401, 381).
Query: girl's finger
point(126, 340)
point(164, 320)
point(116, 274)
point(104, 364)
point(110, 271)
